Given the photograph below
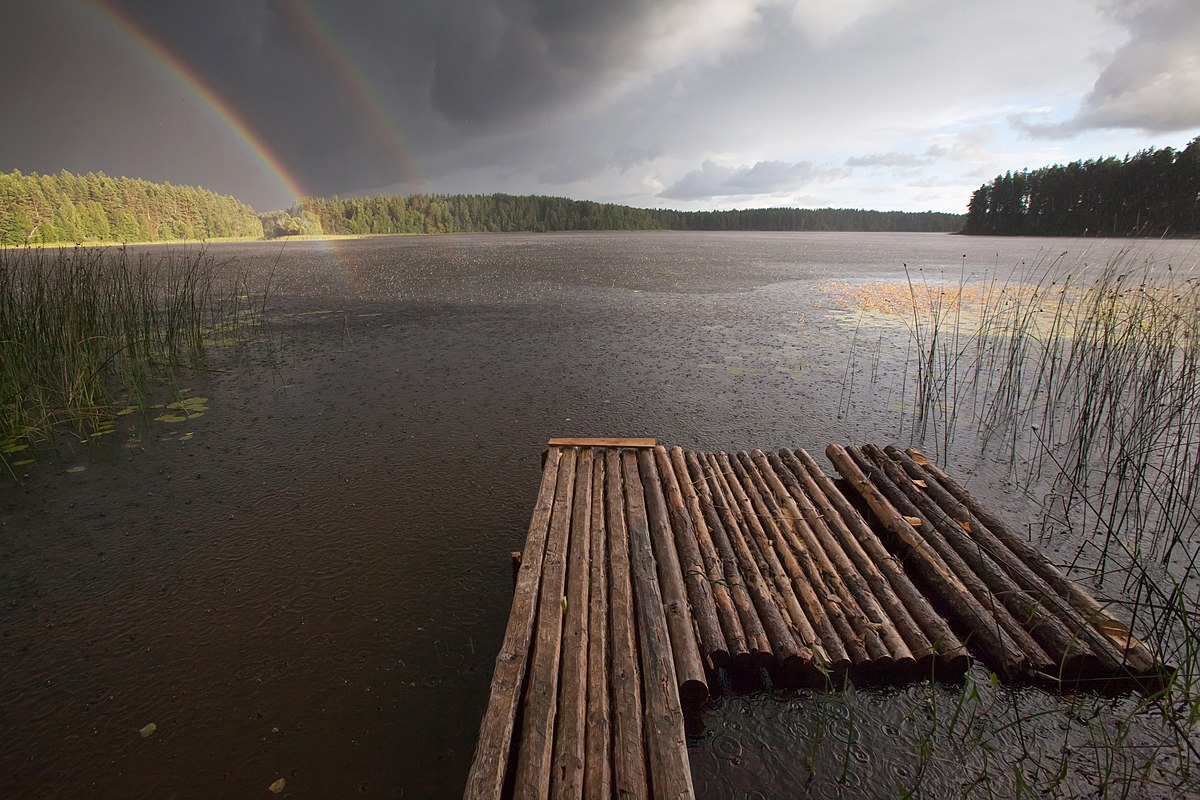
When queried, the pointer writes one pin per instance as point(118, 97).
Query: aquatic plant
point(88, 332)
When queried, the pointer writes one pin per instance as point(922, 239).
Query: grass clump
point(86, 333)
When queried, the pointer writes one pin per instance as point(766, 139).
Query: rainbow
point(160, 56)
point(356, 83)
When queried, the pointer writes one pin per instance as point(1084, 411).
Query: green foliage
point(503, 213)
point(1153, 193)
point(66, 208)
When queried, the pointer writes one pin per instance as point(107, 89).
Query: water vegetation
point(1085, 381)
point(92, 335)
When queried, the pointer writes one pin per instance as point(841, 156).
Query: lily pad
point(148, 730)
point(277, 786)
point(22, 462)
point(187, 437)
point(74, 470)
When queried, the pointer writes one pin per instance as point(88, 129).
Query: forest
point(503, 212)
point(1153, 193)
point(66, 208)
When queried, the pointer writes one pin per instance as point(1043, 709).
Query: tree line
point(63, 208)
point(1153, 193)
point(493, 213)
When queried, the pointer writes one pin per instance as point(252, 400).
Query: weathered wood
point(835, 565)
point(666, 744)
point(515, 555)
point(1036, 659)
point(566, 780)
point(792, 645)
point(809, 618)
point(689, 665)
point(962, 522)
point(902, 635)
point(1137, 655)
point(827, 618)
point(625, 677)
point(594, 441)
point(695, 578)
point(598, 759)
point(541, 694)
point(486, 779)
point(745, 600)
point(859, 539)
point(714, 572)
point(994, 644)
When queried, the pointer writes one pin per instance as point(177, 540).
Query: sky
point(692, 104)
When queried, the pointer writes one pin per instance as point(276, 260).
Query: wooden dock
point(646, 571)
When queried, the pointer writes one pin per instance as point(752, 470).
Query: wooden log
point(714, 571)
point(601, 441)
point(1137, 655)
point(597, 760)
point(1035, 660)
point(695, 576)
point(666, 743)
point(515, 555)
point(541, 694)
point(1030, 625)
point(826, 614)
point(745, 590)
point(993, 643)
point(778, 591)
point(1109, 657)
point(566, 780)
point(486, 778)
point(931, 631)
point(625, 678)
point(689, 665)
point(837, 568)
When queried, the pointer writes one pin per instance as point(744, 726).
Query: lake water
point(315, 583)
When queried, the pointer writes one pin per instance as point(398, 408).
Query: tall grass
point(85, 332)
point(1086, 382)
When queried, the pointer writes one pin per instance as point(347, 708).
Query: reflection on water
point(313, 584)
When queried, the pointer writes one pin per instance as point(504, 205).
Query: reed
point(88, 332)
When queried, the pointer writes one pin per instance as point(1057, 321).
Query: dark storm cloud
point(765, 177)
point(1151, 83)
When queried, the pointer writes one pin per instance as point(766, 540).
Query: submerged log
point(486, 779)
point(695, 576)
point(666, 743)
point(541, 694)
point(1137, 655)
point(566, 779)
point(714, 570)
point(625, 677)
point(996, 646)
point(689, 666)
point(925, 631)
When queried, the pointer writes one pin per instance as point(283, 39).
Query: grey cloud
point(589, 165)
point(1151, 83)
point(890, 159)
point(765, 177)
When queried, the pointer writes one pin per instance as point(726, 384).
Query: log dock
point(649, 572)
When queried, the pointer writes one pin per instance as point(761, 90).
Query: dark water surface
point(314, 584)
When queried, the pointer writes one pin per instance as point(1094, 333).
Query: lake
point(314, 584)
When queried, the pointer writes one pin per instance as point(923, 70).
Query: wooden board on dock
point(646, 570)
